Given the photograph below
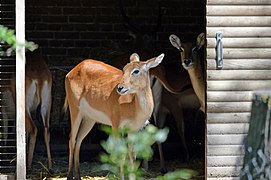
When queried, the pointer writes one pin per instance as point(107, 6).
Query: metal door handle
point(219, 50)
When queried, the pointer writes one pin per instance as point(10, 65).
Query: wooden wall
point(246, 28)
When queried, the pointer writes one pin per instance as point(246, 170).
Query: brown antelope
point(191, 61)
point(174, 103)
point(173, 80)
point(38, 83)
point(99, 93)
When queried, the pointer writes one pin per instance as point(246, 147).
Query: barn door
point(238, 62)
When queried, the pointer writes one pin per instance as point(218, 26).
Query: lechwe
point(38, 85)
point(100, 93)
point(192, 62)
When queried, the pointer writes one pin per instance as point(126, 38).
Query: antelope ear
point(128, 98)
point(134, 57)
point(200, 40)
point(175, 41)
point(151, 63)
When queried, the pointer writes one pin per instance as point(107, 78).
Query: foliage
point(122, 147)
point(178, 174)
point(7, 36)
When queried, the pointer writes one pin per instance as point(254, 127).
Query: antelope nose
point(119, 88)
point(187, 61)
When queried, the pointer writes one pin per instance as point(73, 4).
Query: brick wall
point(76, 29)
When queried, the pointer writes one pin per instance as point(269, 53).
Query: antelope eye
point(135, 72)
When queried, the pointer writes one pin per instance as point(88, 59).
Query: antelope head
point(188, 51)
point(138, 71)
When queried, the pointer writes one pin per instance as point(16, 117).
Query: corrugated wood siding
point(246, 28)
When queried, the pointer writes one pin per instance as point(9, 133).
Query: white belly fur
point(91, 113)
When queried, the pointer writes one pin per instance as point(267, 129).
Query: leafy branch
point(7, 36)
point(124, 151)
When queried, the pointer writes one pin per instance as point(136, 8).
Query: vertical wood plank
point(20, 90)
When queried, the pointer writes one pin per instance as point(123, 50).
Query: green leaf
point(161, 135)
point(178, 174)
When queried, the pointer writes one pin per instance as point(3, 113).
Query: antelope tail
point(65, 106)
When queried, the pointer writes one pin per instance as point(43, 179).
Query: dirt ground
point(90, 165)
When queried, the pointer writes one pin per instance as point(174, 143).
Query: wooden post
point(257, 144)
point(20, 90)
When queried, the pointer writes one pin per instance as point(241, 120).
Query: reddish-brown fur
point(100, 93)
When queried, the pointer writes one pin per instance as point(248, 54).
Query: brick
point(106, 27)
point(67, 27)
point(87, 43)
point(119, 27)
point(106, 10)
point(79, 11)
point(40, 26)
point(40, 42)
point(71, 3)
point(182, 20)
point(54, 50)
point(54, 27)
point(61, 43)
point(128, 3)
point(122, 36)
point(54, 19)
point(68, 43)
point(93, 35)
point(33, 19)
point(170, 28)
point(81, 19)
point(66, 35)
point(78, 52)
point(55, 10)
point(42, 35)
point(56, 43)
point(107, 19)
